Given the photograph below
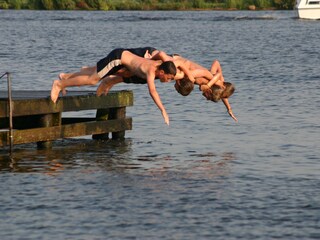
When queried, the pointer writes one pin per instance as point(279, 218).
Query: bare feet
point(103, 88)
point(64, 91)
point(62, 76)
point(55, 90)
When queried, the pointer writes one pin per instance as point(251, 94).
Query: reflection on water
point(65, 155)
point(207, 165)
point(112, 155)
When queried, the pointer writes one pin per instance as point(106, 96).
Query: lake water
point(204, 176)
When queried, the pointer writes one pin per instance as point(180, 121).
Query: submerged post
point(48, 120)
point(10, 112)
point(118, 113)
point(102, 115)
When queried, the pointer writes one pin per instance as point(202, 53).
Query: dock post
point(10, 113)
point(48, 120)
point(101, 115)
point(118, 113)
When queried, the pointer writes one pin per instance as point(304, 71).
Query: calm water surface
point(205, 176)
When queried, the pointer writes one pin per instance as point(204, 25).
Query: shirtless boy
point(186, 70)
point(189, 69)
point(146, 52)
point(117, 60)
point(210, 91)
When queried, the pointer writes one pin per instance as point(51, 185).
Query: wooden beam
point(66, 131)
point(24, 105)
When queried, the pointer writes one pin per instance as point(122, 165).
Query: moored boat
point(308, 9)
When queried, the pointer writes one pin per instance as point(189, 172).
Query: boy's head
point(184, 86)
point(215, 93)
point(167, 71)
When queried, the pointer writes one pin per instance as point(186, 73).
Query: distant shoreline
point(142, 5)
point(149, 10)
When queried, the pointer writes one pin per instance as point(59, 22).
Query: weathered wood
point(37, 119)
point(102, 115)
point(113, 113)
point(48, 120)
point(25, 105)
point(66, 131)
point(70, 120)
point(118, 113)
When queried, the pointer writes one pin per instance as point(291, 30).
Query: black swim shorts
point(111, 63)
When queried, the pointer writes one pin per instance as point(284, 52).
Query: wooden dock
point(35, 118)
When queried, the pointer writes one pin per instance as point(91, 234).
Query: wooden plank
point(24, 122)
point(28, 104)
point(25, 94)
point(38, 94)
point(71, 120)
point(66, 131)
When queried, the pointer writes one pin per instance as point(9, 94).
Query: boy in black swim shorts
point(121, 62)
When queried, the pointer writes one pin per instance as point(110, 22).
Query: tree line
point(146, 4)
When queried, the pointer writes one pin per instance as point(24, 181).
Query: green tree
point(284, 4)
point(47, 4)
point(198, 4)
point(263, 3)
point(65, 4)
point(35, 4)
point(81, 4)
point(237, 4)
point(15, 4)
point(97, 4)
point(4, 5)
point(93, 3)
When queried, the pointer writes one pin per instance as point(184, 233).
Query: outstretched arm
point(155, 96)
point(107, 83)
point(227, 104)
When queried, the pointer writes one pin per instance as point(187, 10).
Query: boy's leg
point(77, 79)
point(84, 71)
point(216, 68)
point(107, 83)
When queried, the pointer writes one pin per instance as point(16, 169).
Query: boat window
point(313, 2)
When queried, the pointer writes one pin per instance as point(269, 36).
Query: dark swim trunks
point(141, 51)
point(112, 62)
point(134, 80)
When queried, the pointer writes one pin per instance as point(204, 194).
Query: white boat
point(308, 9)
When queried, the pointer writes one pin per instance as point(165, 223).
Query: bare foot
point(103, 88)
point(62, 76)
point(64, 91)
point(55, 90)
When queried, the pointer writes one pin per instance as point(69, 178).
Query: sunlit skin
point(205, 84)
point(189, 69)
